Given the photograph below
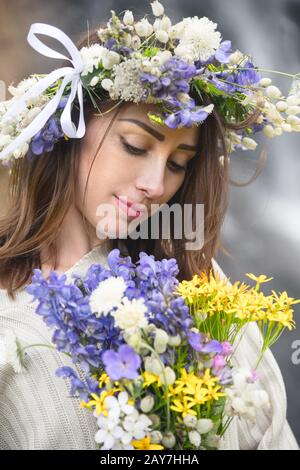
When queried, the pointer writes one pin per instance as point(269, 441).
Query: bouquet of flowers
point(153, 356)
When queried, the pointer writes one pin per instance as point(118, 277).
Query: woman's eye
point(136, 151)
point(133, 150)
point(175, 167)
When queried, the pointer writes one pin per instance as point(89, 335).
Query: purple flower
point(227, 349)
point(45, 139)
point(199, 342)
point(223, 52)
point(122, 364)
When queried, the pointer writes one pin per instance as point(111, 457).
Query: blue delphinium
point(47, 137)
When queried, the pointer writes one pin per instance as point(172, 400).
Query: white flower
point(264, 82)
point(107, 84)
point(109, 432)
point(157, 8)
point(153, 365)
point(4, 140)
point(204, 425)
point(273, 92)
point(135, 42)
point(169, 440)
point(143, 28)
point(127, 85)
point(128, 18)
point(160, 341)
point(94, 81)
point(107, 295)
point(91, 57)
point(20, 152)
point(130, 316)
point(249, 143)
point(155, 437)
point(23, 86)
point(195, 438)
point(168, 377)
point(162, 36)
point(109, 59)
point(190, 421)
point(269, 131)
point(281, 106)
point(245, 397)
point(137, 425)
point(293, 100)
point(147, 404)
point(119, 405)
point(236, 58)
point(11, 352)
point(198, 36)
point(174, 340)
point(293, 110)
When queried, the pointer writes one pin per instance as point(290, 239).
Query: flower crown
point(168, 65)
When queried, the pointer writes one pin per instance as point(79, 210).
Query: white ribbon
point(69, 74)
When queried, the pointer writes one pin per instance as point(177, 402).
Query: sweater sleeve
point(271, 430)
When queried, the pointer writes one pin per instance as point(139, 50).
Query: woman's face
point(139, 162)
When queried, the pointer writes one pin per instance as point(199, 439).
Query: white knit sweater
point(36, 411)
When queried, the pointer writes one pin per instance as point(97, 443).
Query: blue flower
point(46, 138)
point(121, 364)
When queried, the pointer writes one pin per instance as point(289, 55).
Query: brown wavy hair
point(42, 190)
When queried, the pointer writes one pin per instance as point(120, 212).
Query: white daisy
point(107, 295)
point(198, 37)
point(130, 316)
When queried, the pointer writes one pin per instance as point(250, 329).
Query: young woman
point(53, 223)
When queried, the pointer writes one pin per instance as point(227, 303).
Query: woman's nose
point(151, 181)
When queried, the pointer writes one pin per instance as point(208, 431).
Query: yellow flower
point(259, 279)
point(150, 379)
point(145, 444)
point(103, 380)
point(209, 381)
point(98, 402)
point(201, 395)
point(183, 406)
point(185, 380)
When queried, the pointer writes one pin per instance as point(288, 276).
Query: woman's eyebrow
point(157, 134)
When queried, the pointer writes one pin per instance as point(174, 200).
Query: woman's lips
point(125, 207)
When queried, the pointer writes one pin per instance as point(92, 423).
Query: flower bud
point(147, 404)
point(174, 340)
point(293, 100)
point(157, 8)
point(269, 131)
point(249, 143)
point(162, 36)
point(273, 92)
point(293, 110)
point(107, 84)
point(94, 81)
point(204, 425)
point(195, 438)
point(169, 440)
point(264, 82)
point(169, 377)
point(190, 421)
point(155, 437)
point(281, 106)
point(128, 18)
point(155, 419)
point(286, 127)
point(160, 341)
